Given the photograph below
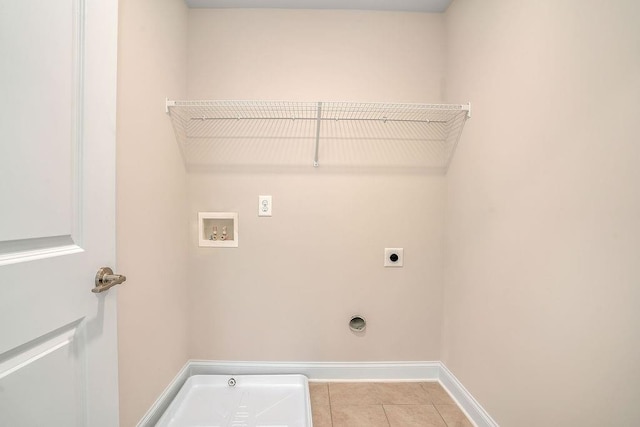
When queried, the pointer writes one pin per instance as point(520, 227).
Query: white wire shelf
point(227, 133)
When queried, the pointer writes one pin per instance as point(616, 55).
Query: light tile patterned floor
point(405, 404)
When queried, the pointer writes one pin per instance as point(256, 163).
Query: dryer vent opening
point(357, 323)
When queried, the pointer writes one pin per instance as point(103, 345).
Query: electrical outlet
point(393, 257)
point(264, 205)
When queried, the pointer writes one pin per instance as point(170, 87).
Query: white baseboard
point(475, 412)
point(327, 371)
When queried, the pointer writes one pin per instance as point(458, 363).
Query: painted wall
point(312, 55)
point(541, 319)
point(151, 203)
point(287, 292)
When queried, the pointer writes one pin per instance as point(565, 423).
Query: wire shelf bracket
point(430, 132)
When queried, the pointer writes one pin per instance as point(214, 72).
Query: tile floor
point(406, 404)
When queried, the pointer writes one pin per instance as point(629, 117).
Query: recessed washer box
point(218, 229)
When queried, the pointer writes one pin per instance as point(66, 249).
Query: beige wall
point(151, 215)
point(541, 319)
point(289, 289)
point(312, 55)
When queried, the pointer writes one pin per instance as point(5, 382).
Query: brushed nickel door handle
point(105, 279)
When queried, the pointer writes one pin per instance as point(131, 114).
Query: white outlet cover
point(388, 252)
point(264, 205)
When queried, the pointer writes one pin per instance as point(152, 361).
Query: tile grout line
point(376, 386)
point(386, 416)
point(330, 407)
point(445, 421)
point(435, 406)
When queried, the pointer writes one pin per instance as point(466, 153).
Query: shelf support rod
point(318, 121)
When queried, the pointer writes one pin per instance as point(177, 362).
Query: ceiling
point(433, 6)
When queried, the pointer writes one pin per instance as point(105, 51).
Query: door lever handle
point(105, 279)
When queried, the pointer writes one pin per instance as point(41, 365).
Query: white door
point(58, 356)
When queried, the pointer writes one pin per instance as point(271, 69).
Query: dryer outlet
point(393, 257)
